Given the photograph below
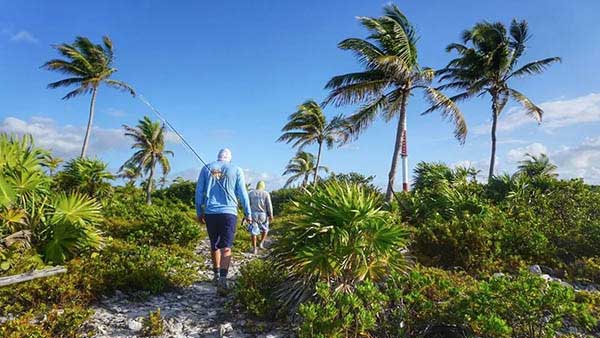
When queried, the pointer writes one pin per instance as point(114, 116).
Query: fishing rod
point(185, 142)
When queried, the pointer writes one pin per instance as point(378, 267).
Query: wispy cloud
point(66, 140)
point(557, 114)
point(24, 36)
point(116, 112)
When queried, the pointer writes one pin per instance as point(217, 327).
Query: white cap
point(224, 155)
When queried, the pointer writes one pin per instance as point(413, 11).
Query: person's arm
point(200, 197)
point(269, 206)
point(242, 194)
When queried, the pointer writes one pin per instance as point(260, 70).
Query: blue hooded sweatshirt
point(215, 198)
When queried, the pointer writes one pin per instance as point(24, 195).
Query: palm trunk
point(318, 163)
point(149, 186)
point(397, 148)
point(494, 125)
point(88, 130)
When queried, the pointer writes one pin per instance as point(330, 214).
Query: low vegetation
point(107, 244)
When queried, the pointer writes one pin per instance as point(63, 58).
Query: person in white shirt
point(262, 214)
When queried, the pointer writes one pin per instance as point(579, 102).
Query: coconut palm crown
point(87, 66)
point(391, 74)
point(487, 61)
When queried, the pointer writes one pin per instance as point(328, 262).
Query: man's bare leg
point(263, 237)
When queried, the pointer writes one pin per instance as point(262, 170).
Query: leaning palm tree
point(391, 74)
point(88, 66)
point(301, 167)
point(148, 137)
point(308, 125)
point(488, 65)
point(536, 166)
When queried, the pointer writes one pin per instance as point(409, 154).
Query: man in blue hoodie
point(219, 187)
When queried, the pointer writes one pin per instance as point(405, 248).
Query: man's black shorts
point(221, 230)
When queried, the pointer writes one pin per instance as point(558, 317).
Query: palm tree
point(148, 138)
point(488, 65)
point(88, 66)
point(131, 174)
point(52, 163)
point(301, 167)
point(392, 72)
point(308, 125)
point(536, 166)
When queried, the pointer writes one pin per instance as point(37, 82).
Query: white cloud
point(66, 140)
point(581, 161)
point(557, 114)
point(23, 36)
point(535, 149)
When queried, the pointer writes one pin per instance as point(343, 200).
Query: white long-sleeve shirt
point(260, 201)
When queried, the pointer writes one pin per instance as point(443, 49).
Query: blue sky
point(229, 73)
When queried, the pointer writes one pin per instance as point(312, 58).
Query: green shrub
point(524, 306)
point(57, 323)
point(130, 267)
point(339, 234)
point(255, 289)
point(182, 191)
point(281, 198)
point(339, 314)
point(156, 224)
point(153, 325)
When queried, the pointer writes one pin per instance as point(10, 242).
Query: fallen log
point(4, 281)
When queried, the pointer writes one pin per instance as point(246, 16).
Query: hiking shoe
point(255, 251)
point(262, 245)
point(215, 280)
point(223, 287)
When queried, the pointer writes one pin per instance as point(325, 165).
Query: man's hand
point(201, 219)
point(270, 218)
point(248, 219)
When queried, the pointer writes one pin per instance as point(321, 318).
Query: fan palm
point(88, 65)
point(301, 167)
point(308, 125)
point(86, 175)
point(536, 166)
point(392, 73)
point(149, 138)
point(488, 65)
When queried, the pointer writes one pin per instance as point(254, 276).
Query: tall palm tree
point(88, 66)
point(301, 167)
point(535, 166)
point(488, 65)
point(148, 137)
point(308, 125)
point(391, 74)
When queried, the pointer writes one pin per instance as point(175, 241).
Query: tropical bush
point(339, 235)
point(339, 314)
point(156, 224)
point(56, 224)
point(87, 176)
point(255, 289)
point(514, 220)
